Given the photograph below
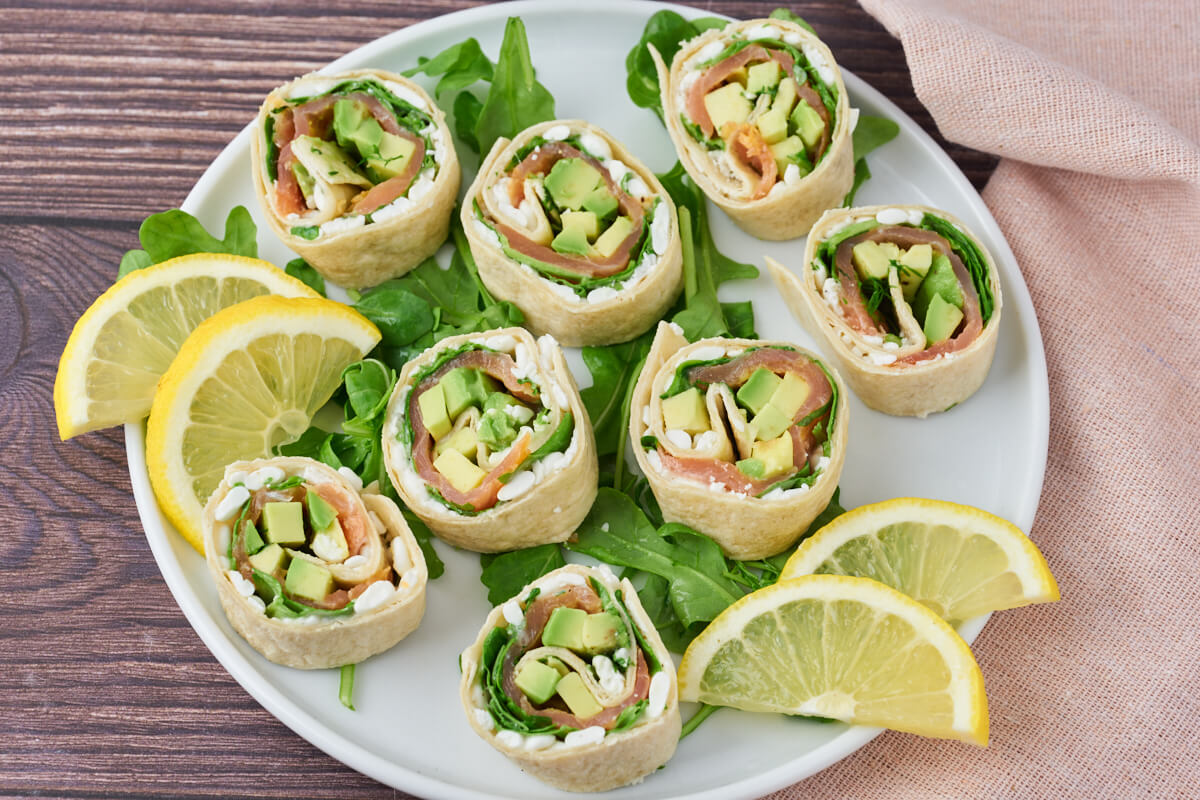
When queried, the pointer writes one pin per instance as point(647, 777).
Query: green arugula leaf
point(460, 65)
point(515, 100)
point(301, 270)
point(870, 133)
point(666, 30)
point(176, 233)
point(506, 574)
point(132, 261)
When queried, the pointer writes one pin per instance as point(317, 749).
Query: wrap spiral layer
point(604, 712)
point(741, 439)
point(568, 225)
point(303, 591)
point(487, 441)
point(928, 343)
point(356, 172)
point(761, 121)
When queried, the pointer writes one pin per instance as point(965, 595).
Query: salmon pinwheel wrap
point(741, 439)
point(356, 172)
point(759, 116)
point(487, 441)
point(568, 225)
point(571, 681)
point(906, 301)
point(310, 569)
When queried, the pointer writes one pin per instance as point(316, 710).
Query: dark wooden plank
point(110, 115)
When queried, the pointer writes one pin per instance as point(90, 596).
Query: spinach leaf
point(791, 16)
point(301, 270)
point(460, 65)
point(666, 30)
point(614, 370)
point(506, 574)
point(740, 319)
point(177, 233)
point(869, 134)
point(400, 315)
point(972, 258)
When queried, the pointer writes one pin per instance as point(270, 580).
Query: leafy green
point(504, 710)
point(320, 513)
point(791, 16)
point(280, 606)
point(309, 232)
point(975, 262)
point(460, 66)
point(702, 713)
point(506, 574)
point(301, 270)
point(346, 686)
point(176, 233)
point(400, 315)
point(869, 134)
point(666, 30)
point(614, 369)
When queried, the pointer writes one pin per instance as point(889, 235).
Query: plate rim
point(353, 755)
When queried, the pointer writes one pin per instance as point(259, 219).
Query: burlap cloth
point(1095, 109)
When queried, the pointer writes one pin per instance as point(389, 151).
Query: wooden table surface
point(109, 114)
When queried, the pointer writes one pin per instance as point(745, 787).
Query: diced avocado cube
point(571, 241)
point(611, 239)
point(329, 543)
point(284, 523)
point(395, 153)
point(757, 390)
point(775, 454)
point(727, 104)
point(870, 260)
point(751, 467)
point(764, 76)
point(585, 221)
point(537, 681)
point(570, 181)
point(432, 403)
point(578, 698)
point(600, 201)
point(914, 266)
point(565, 628)
point(941, 320)
point(686, 411)
point(785, 96)
point(355, 128)
point(891, 250)
point(307, 184)
point(941, 281)
point(251, 539)
point(320, 513)
point(464, 387)
point(557, 665)
point(741, 75)
point(599, 633)
point(772, 125)
point(790, 395)
point(787, 152)
point(768, 424)
point(464, 440)
point(498, 401)
point(462, 473)
point(269, 559)
point(808, 124)
point(308, 580)
point(497, 430)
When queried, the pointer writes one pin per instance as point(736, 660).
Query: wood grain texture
point(111, 110)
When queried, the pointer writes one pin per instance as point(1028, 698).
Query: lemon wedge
point(247, 379)
point(957, 560)
point(125, 341)
point(844, 648)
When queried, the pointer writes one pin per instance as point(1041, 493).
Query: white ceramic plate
point(410, 731)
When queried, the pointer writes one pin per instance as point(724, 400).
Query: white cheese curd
point(232, 503)
point(822, 463)
point(871, 338)
point(258, 603)
point(638, 188)
point(565, 292)
point(595, 145)
point(512, 612)
point(539, 742)
point(830, 290)
point(487, 233)
point(679, 438)
point(891, 216)
point(260, 477)
point(590, 735)
point(556, 133)
point(314, 475)
point(610, 681)
point(892, 346)
point(660, 689)
point(483, 718)
point(400, 559)
point(621, 654)
point(654, 460)
point(709, 51)
point(604, 527)
point(709, 439)
point(660, 230)
point(915, 215)
point(504, 342)
point(236, 478)
point(521, 414)
point(791, 175)
point(242, 586)
point(510, 739)
point(559, 395)
point(343, 224)
point(601, 294)
point(351, 478)
point(525, 365)
point(355, 562)
point(853, 119)
point(616, 169)
point(374, 596)
point(646, 416)
point(421, 187)
point(552, 584)
point(686, 83)
point(518, 485)
point(763, 32)
point(706, 353)
point(310, 87)
point(407, 95)
point(882, 359)
point(817, 59)
point(548, 465)
point(793, 38)
point(409, 578)
point(820, 272)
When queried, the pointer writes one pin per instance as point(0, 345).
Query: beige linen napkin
point(1095, 108)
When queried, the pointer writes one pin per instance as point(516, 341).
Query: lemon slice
point(247, 379)
point(844, 648)
point(957, 560)
point(125, 341)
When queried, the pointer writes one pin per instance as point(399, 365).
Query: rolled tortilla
point(363, 220)
point(554, 745)
point(702, 478)
point(904, 374)
point(771, 168)
point(592, 299)
point(525, 472)
point(377, 592)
